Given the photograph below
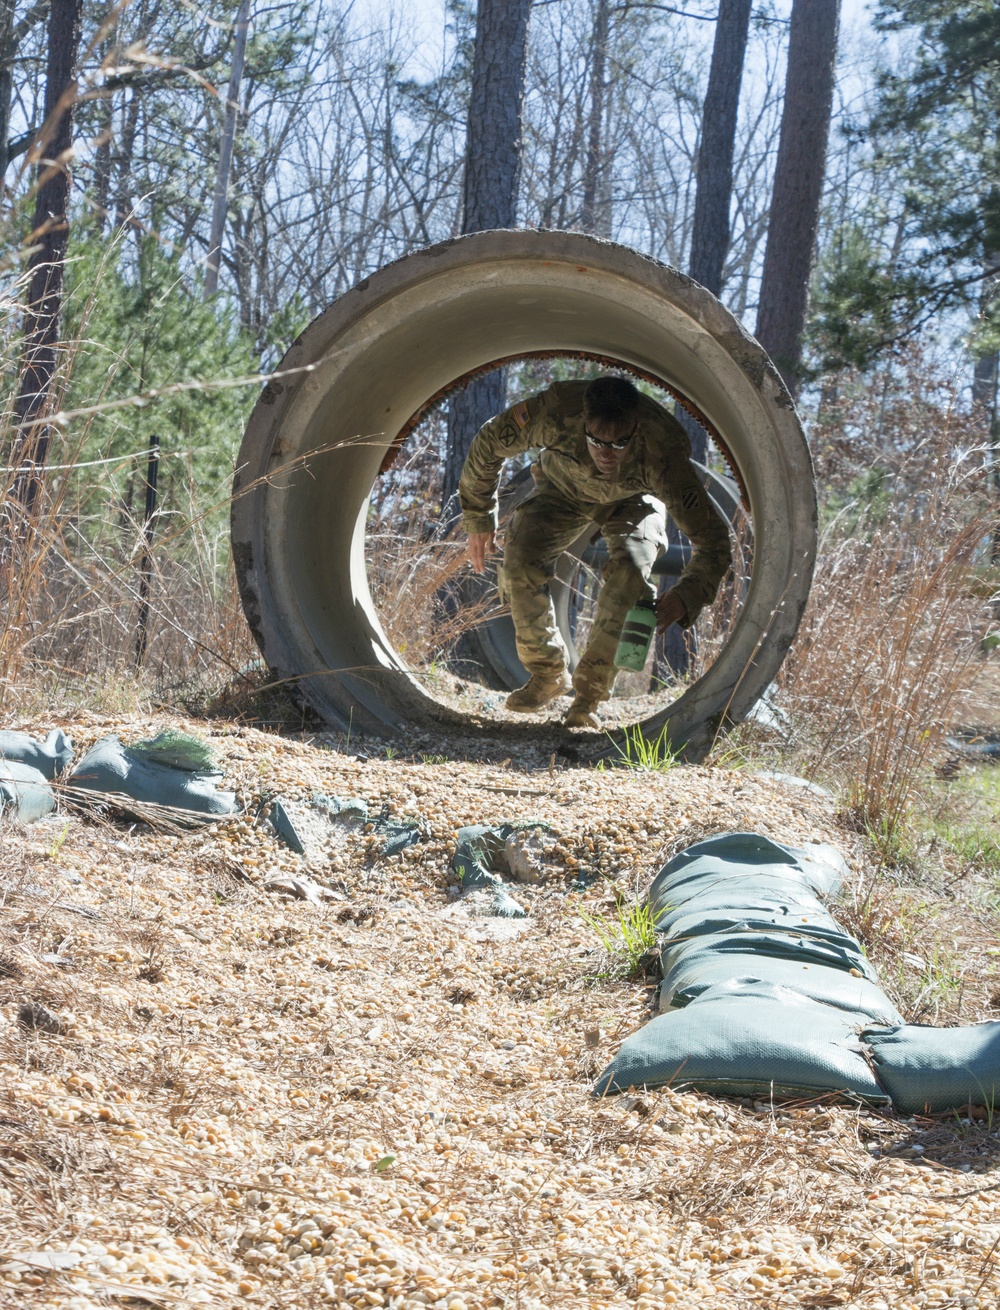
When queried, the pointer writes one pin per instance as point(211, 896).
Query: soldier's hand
point(669, 609)
point(481, 545)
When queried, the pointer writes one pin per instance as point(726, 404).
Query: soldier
point(610, 456)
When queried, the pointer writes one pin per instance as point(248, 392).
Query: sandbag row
point(172, 772)
point(765, 994)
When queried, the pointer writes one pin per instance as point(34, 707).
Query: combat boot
point(538, 691)
point(582, 714)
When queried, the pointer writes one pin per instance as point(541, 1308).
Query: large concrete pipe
point(352, 385)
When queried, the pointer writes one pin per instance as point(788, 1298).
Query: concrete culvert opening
point(459, 638)
point(365, 368)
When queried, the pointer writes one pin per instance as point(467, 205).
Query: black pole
point(146, 559)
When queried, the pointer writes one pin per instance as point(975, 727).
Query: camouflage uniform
point(570, 492)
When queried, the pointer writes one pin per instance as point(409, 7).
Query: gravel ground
point(230, 1097)
point(630, 703)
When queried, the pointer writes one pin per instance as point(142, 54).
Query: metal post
point(146, 559)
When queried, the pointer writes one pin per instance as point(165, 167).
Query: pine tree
point(492, 170)
point(936, 130)
point(139, 329)
point(798, 184)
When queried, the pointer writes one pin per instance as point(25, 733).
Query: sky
point(427, 17)
point(425, 20)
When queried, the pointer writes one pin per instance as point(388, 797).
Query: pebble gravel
point(384, 1099)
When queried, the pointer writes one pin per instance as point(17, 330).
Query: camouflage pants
point(541, 529)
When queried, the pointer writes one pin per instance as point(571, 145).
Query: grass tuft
point(636, 751)
point(626, 937)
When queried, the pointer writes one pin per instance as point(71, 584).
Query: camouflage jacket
point(658, 463)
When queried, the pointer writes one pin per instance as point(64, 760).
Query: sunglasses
point(620, 444)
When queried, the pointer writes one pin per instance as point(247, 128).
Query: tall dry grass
point(417, 562)
point(70, 604)
point(71, 584)
point(903, 595)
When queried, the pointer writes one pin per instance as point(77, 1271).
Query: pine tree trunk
point(593, 211)
point(714, 172)
point(7, 52)
point(50, 237)
point(102, 164)
point(105, 137)
point(798, 184)
point(226, 143)
point(984, 397)
point(492, 168)
point(123, 159)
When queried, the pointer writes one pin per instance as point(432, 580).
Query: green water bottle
point(637, 635)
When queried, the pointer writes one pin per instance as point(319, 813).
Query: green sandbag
point(49, 757)
point(25, 792)
point(692, 977)
point(712, 914)
point(307, 826)
point(816, 928)
point(284, 827)
point(295, 822)
point(479, 855)
point(927, 1070)
point(845, 954)
point(477, 847)
point(398, 834)
point(739, 1040)
point(744, 858)
point(819, 864)
point(177, 750)
point(113, 768)
point(760, 892)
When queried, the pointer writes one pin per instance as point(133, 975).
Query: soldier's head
point(610, 419)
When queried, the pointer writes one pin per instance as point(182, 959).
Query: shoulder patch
point(690, 498)
point(508, 434)
point(520, 412)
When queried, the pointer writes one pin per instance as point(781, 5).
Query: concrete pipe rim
point(323, 426)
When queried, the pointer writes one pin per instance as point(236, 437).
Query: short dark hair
point(611, 403)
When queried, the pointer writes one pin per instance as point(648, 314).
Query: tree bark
point(798, 184)
point(594, 215)
point(492, 169)
point(7, 52)
point(226, 143)
point(123, 159)
point(984, 398)
point(984, 389)
point(714, 170)
point(50, 237)
point(102, 164)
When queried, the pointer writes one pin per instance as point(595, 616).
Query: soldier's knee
point(625, 575)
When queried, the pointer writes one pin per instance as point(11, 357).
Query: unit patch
point(508, 433)
point(690, 499)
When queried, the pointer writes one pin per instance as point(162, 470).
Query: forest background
point(187, 186)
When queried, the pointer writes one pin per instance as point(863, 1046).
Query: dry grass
point(890, 645)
